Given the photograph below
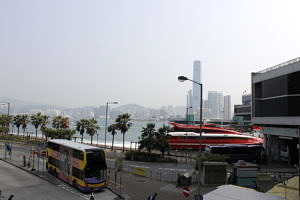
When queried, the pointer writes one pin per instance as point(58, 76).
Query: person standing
point(152, 197)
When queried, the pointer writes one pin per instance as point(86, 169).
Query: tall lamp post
point(182, 79)
point(106, 120)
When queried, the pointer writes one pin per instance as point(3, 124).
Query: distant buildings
point(275, 107)
point(227, 107)
point(242, 113)
point(215, 104)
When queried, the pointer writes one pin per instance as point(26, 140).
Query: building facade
point(196, 87)
point(227, 107)
point(215, 104)
point(276, 107)
point(242, 113)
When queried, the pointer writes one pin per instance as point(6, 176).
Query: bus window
point(77, 173)
point(95, 156)
point(53, 146)
point(78, 154)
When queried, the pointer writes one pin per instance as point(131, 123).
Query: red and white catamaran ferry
point(187, 137)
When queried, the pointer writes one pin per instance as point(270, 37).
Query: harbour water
point(132, 135)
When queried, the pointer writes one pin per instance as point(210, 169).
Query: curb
point(119, 195)
point(17, 166)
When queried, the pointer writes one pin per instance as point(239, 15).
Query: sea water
point(131, 136)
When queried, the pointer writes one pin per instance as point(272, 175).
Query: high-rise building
point(196, 87)
point(215, 104)
point(227, 107)
point(189, 106)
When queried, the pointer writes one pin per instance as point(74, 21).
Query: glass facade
point(278, 96)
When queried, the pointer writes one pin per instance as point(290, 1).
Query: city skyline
point(74, 53)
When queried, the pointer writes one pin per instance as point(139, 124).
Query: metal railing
point(295, 60)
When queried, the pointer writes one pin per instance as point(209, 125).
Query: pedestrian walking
point(10, 197)
point(92, 194)
point(152, 197)
point(24, 161)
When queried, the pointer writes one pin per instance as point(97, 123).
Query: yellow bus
point(80, 165)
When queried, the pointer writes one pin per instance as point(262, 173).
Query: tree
point(36, 121)
point(17, 121)
point(92, 128)
point(113, 130)
point(5, 120)
point(44, 123)
point(25, 121)
point(147, 139)
point(81, 127)
point(123, 123)
point(60, 122)
point(161, 139)
point(56, 122)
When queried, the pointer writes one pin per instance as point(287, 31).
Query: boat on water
point(185, 136)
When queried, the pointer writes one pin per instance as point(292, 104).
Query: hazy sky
point(82, 53)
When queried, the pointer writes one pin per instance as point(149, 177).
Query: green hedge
point(26, 140)
point(146, 157)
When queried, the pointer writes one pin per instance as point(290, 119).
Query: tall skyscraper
point(196, 87)
point(215, 104)
point(189, 106)
point(227, 107)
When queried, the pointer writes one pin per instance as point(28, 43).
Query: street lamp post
point(106, 120)
point(182, 79)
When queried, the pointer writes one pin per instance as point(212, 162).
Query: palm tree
point(17, 121)
point(123, 123)
point(56, 122)
point(64, 123)
point(81, 127)
point(113, 129)
point(44, 123)
point(161, 139)
point(36, 121)
point(92, 128)
point(25, 121)
point(147, 139)
point(5, 120)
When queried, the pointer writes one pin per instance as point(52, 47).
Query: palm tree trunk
point(91, 139)
point(82, 138)
point(123, 141)
point(112, 143)
point(36, 133)
point(18, 130)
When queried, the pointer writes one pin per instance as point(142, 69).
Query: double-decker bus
point(80, 165)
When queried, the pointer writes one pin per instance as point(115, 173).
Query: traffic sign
point(44, 153)
point(185, 191)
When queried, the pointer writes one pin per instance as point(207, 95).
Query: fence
point(161, 174)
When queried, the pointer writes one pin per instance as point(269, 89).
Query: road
point(24, 185)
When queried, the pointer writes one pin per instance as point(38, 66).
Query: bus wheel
point(55, 172)
point(74, 183)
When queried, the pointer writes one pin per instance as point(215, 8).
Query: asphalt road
point(24, 185)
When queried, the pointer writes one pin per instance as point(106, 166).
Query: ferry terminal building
point(276, 108)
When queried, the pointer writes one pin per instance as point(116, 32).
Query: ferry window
point(78, 154)
point(77, 173)
point(53, 146)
